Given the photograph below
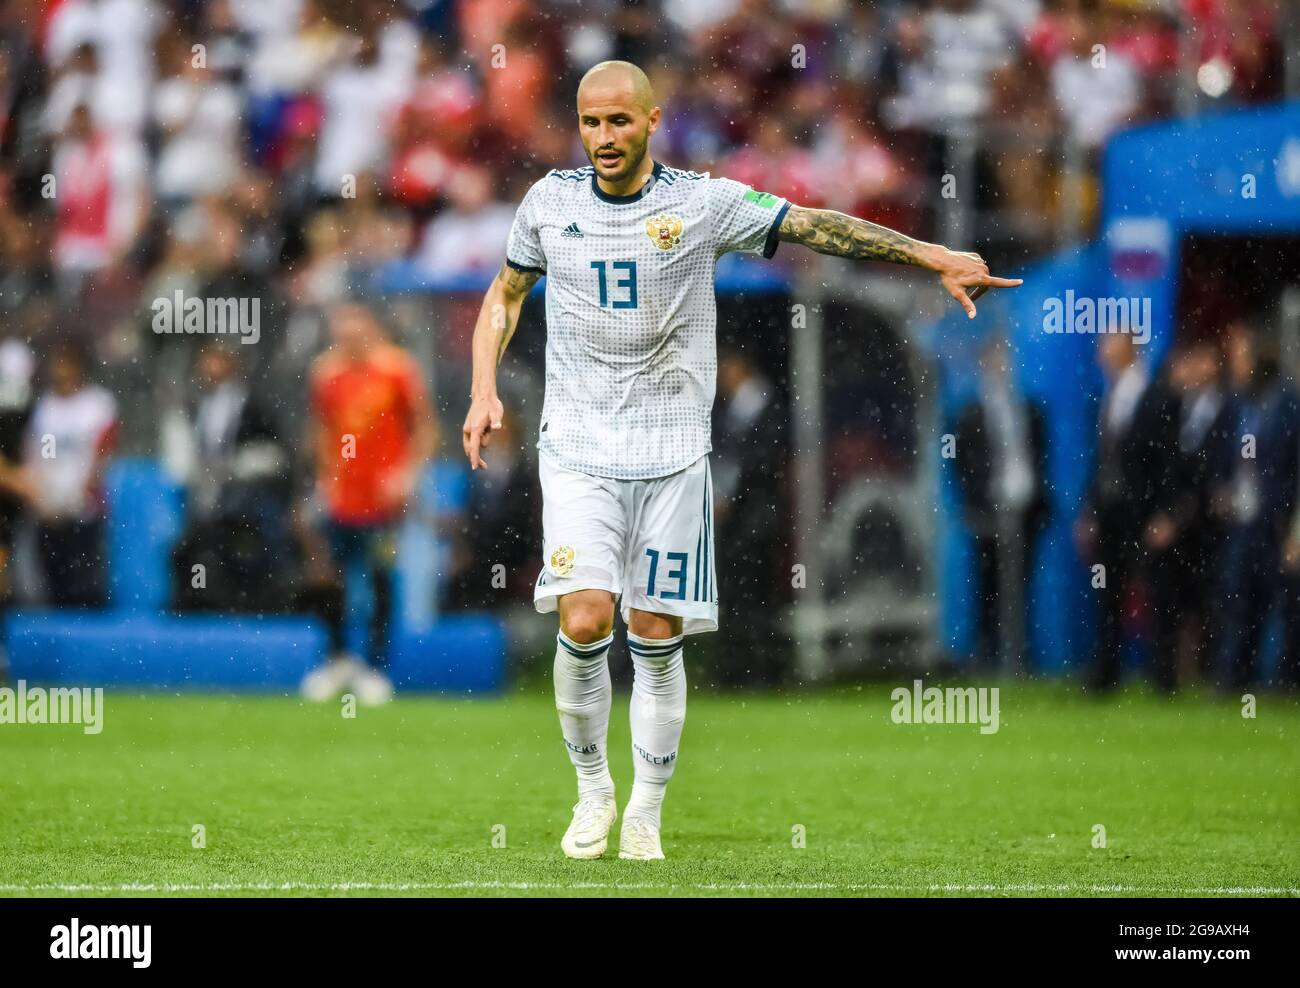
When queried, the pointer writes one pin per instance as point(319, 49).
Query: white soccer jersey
point(631, 319)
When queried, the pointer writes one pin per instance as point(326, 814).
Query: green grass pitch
point(409, 799)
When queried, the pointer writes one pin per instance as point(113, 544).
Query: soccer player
point(628, 246)
point(372, 429)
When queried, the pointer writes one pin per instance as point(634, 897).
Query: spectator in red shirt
point(371, 431)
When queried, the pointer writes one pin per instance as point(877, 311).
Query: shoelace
point(586, 811)
point(641, 829)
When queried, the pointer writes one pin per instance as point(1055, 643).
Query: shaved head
point(608, 76)
point(616, 117)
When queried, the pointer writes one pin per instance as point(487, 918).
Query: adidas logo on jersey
point(571, 231)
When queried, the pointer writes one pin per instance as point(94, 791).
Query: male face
point(216, 365)
point(615, 124)
point(1194, 368)
point(1240, 351)
point(65, 374)
point(1115, 353)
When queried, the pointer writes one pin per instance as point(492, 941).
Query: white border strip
point(1080, 890)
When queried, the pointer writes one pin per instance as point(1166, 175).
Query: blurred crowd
point(301, 145)
point(296, 152)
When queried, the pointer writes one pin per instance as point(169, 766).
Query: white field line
point(308, 887)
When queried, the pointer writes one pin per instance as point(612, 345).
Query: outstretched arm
point(497, 319)
point(829, 232)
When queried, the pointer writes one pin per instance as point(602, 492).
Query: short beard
point(631, 161)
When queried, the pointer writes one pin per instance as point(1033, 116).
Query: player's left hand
point(966, 277)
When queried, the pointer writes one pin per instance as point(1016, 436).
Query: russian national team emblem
point(562, 560)
point(665, 230)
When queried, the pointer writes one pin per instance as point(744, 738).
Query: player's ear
point(655, 115)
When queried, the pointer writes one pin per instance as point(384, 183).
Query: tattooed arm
point(497, 319)
point(829, 232)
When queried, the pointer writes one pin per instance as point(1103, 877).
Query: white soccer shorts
point(649, 542)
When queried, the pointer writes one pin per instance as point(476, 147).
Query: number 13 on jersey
point(625, 285)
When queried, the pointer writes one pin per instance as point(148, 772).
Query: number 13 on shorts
point(678, 574)
point(671, 584)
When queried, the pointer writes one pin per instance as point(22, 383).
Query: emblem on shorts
point(562, 560)
point(664, 230)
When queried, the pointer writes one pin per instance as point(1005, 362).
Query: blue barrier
point(464, 653)
point(107, 649)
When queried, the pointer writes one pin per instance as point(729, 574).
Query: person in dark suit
point(1184, 535)
point(1288, 669)
point(1136, 427)
point(752, 519)
point(1256, 480)
point(1001, 472)
point(237, 497)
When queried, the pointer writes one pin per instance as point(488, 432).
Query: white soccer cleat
point(639, 840)
point(329, 679)
point(373, 688)
point(588, 834)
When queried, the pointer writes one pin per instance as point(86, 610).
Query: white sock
point(583, 696)
point(658, 712)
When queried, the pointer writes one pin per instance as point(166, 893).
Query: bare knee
point(587, 616)
point(645, 624)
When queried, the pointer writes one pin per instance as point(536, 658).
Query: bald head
point(616, 116)
point(618, 78)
